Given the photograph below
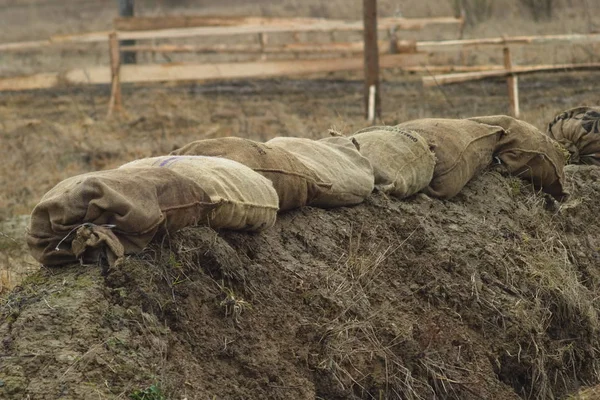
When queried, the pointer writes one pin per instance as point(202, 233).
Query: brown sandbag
point(247, 199)
point(462, 148)
point(112, 213)
point(529, 154)
point(578, 130)
point(334, 160)
point(402, 162)
point(295, 184)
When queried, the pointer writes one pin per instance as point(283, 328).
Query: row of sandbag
point(403, 164)
point(240, 184)
point(437, 156)
point(464, 148)
point(235, 184)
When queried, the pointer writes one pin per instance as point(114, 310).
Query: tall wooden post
point(513, 85)
point(126, 10)
point(371, 52)
point(115, 101)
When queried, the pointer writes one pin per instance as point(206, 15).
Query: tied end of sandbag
point(93, 243)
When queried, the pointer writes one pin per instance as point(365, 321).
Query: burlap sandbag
point(463, 149)
point(578, 130)
point(334, 160)
point(112, 213)
point(529, 154)
point(401, 159)
point(295, 184)
point(248, 200)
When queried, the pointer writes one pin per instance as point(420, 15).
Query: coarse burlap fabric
point(112, 213)
point(578, 130)
point(247, 199)
point(402, 162)
point(335, 160)
point(462, 148)
point(295, 184)
point(529, 154)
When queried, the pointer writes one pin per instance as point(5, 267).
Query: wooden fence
point(394, 53)
point(225, 26)
point(397, 54)
point(510, 71)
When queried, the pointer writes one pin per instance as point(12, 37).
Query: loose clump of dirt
point(490, 295)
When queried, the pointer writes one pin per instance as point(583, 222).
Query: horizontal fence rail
point(241, 26)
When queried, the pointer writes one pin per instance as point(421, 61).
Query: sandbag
point(334, 160)
point(462, 148)
point(578, 130)
point(529, 154)
point(112, 213)
point(247, 199)
point(402, 162)
point(295, 184)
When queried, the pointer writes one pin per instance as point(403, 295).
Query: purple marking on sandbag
point(165, 162)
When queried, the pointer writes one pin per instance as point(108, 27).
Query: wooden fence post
point(115, 101)
point(513, 84)
point(371, 55)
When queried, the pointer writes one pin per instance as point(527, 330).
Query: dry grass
point(592, 393)
point(345, 346)
point(349, 340)
point(553, 300)
point(232, 303)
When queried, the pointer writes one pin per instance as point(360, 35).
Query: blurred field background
point(38, 19)
point(49, 135)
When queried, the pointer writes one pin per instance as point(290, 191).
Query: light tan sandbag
point(296, 184)
point(530, 154)
point(334, 160)
point(401, 159)
point(578, 130)
point(248, 200)
point(113, 213)
point(462, 148)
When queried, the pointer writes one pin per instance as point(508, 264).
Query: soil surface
point(492, 294)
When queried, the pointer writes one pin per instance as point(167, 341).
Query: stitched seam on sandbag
point(162, 218)
point(248, 204)
point(189, 205)
point(296, 174)
point(330, 185)
point(336, 192)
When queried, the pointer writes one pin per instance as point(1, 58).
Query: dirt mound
point(492, 294)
